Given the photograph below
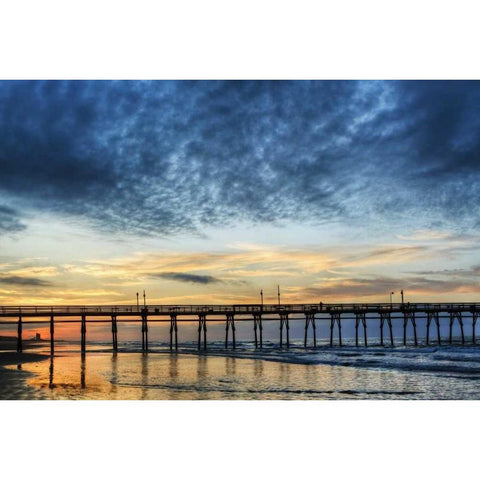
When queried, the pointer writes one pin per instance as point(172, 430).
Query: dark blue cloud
point(166, 157)
point(24, 281)
point(10, 220)
point(188, 277)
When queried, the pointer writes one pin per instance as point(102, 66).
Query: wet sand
point(349, 372)
point(13, 384)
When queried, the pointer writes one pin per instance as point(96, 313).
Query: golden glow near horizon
point(237, 272)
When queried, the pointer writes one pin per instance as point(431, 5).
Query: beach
point(349, 372)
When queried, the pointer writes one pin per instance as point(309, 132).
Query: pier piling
point(335, 318)
point(409, 315)
point(454, 315)
point(173, 330)
point(474, 323)
point(257, 324)
point(381, 330)
point(360, 318)
point(230, 323)
point(19, 335)
point(385, 316)
point(52, 335)
point(310, 320)
point(433, 316)
point(144, 331)
point(284, 322)
point(83, 332)
point(202, 327)
point(114, 333)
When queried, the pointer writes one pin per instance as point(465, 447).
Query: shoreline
point(13, 383)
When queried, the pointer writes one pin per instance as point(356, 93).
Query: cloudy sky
point(209, 191)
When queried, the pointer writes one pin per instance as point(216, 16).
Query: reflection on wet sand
point(230, 366)
point(144, 389)
point(83, 371)
point(114, 376)
point(180, 376)
point(173, 376)
point(51, 372)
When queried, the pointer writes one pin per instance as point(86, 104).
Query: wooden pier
point(380, 314)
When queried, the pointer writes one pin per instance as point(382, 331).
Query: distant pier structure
point(372, 315)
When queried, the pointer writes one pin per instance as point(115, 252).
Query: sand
point(13, 385)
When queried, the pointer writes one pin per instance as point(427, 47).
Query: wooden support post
point(257, 317)
point(437, 321)
point(144, 331)
point(52, 335)
point(429, 319)
point(114, 333)
point(173, 330)
point(83, 331)
point(284, 322)
point(230, 323)
point(202, 327)
point(409, 315)
point(51, 372)
point(389, 322)
point(310, 320)
point(360, 318)
point(474, 323)
point(257, 324)
point(450, 327)
point(456, 316)
point(386, 317)
point(433, 316)
point(335, 318)
point(19, 335)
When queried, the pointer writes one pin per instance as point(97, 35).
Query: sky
point(209, 191)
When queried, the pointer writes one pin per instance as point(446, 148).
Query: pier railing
point(219, 309)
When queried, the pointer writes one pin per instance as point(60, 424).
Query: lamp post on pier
point(391, 294)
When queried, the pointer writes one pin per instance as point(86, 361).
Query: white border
point(185, 39)
point(249, 39)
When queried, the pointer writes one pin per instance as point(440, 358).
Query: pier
point(377, 315)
